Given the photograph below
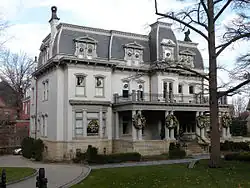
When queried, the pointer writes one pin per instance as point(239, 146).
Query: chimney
point(54, 21)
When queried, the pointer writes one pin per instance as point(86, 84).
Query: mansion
point(119, 91)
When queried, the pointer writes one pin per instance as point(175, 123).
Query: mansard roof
point(111, 43)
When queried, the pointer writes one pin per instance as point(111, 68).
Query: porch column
point(100, 124)
point(117, 125)
point(134, 131)
point(228, 132)
point(166, 129)
point(139, 131)
point(197, 128)
point(223, 132)
point(202, 131)
point(172, 130)
point(85, 123)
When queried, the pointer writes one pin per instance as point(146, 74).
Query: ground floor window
point(125, 125)
point(79, 124)
point(93, 127)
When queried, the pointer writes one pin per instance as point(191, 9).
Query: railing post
point(41, 181)
point(133, 95)
point(3, 179)
point(116, 98)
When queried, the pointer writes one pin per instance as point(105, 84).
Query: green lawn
point(16, 173)
point(231, 175)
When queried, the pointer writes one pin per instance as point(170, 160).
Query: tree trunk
point(215, 135)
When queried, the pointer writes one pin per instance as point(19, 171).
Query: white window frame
point(100, 87)
point(81, 86)
point(75, 127)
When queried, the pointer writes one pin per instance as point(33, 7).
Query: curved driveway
point(57, 174)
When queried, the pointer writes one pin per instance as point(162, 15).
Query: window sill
point(81, 96)
point(99, 96)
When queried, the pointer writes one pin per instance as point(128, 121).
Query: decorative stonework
point(133, 52)
point(85, 47)
point(226, 121)
point(93, 126)
point(202, 121)
point(171, 121)
point(139, 121)
point(186, 57)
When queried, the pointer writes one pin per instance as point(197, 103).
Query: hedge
point(234, 146)
point(176, 152)
point(91, 156)
point(242, 156)
point(32, 148)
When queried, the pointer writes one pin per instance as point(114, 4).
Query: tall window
point(44, 91)
point(47, 89)
point(81, 85)
point(125, 90)
point(79, 124)
point(140, 91)
point(165, 89)
point(33, 96)
point(99, 86)
point(180, 88)
point(191, 89)
point(125, 125)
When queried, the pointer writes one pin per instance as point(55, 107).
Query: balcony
point(169, 97)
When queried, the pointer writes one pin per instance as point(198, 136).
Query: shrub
point(32, 148)
point(38, 148)
point(242, 156)
point(234, 146)
point(175, 151)
point(92, 157)
point(27, 147)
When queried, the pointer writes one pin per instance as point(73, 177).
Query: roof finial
point(53, 14)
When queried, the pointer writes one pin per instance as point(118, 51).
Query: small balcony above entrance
point(168, 97)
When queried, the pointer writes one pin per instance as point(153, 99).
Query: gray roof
point(64, 42)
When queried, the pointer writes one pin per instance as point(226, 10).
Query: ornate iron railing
point(169, 97)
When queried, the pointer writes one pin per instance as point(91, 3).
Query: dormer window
point(133, 53)
point(85, 47)
point(187, 58)
point(168, 49)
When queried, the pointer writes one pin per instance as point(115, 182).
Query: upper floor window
point(99, 86)
point(133, 53)
point(33, 96)
point(180, 88)
point(167, 49)
point(191, 89)
point(85, 47)
point(81, 85)
point(45, 90)
point(125, 89)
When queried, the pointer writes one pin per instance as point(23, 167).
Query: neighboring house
point(12, 130)
point(97, 87)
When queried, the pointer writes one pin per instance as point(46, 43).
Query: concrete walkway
point(57, 174)
point(150, 163)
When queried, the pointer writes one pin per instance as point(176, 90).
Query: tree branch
point(222, 10)
point(224, 93)
point(179, 21)
point(224, 46)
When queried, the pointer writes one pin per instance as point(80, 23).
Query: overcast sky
point(29, 20)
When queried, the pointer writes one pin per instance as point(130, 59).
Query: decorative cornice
point(81, 102)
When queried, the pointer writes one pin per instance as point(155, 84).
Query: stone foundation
point(144, 147)
point(58, 151)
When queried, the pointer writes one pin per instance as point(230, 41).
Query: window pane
point(80, 90)
point(78, 123)
point(99, 91)
point(93, 127)
point(80, 80)
point(125, 93)
point(98, 82)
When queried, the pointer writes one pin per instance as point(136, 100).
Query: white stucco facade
point(95, 83)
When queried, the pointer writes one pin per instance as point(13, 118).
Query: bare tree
point(239, 104)
point(16, 69)
point(203, 18)
point(3, 26)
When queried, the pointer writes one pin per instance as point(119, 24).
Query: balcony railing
point(169, 97)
